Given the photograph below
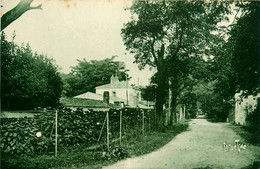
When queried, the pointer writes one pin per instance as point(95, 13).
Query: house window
point(114, 94)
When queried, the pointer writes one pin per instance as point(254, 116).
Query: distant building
point(95, 96)
point(120, 92)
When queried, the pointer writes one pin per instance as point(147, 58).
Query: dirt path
point(201, 146)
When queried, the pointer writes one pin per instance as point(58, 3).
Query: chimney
point(113, 79)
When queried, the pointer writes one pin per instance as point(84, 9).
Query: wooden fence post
point(56, 133)
point(102, 129)
point(107, 130)
point(143, 122)
point(120, 132)
point(168, 112)
point(149, 121)
point(184, 111)
point(181, 111)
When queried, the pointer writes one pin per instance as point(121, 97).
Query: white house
point(119, 92)
point(121, 89)
point(243, 106)
point(95, 96)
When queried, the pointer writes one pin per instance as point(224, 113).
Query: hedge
point(18, 136)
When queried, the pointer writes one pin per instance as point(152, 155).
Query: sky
point(68, 30)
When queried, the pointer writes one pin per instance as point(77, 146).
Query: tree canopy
point(164, 34)
point(87, 75)
point(29, 80)
point(235, 65)
point(244, 43)
point(148, 92)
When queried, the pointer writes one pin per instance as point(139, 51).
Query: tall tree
point(244, 41)
point(236, 63)
point(87, 75)
point(28, 80)
point(164, 31)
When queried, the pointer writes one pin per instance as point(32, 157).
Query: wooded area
point(204, 54)
point(196, 60)
point(199, 59)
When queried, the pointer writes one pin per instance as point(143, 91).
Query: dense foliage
point(253, 117)
point(149, 92)
point(87, 75)
point(235, 65)
point(75, 128)
point(85, 157)
point(244, 42)
point(28, 80)
point(205, 64)
point(166, 34)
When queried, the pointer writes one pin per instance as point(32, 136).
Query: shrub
point(253, 118)
point(75, 128)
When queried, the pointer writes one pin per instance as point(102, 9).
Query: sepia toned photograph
point(130, 84)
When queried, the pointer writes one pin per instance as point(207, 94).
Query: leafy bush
point(75, 128)
point(15, 138)
point(19, 137)
point(114, 152)
point(94, 156)
point(253, 117)
point(28, 79)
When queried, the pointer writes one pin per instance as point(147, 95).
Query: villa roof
point(95, 96)
point(86, 103)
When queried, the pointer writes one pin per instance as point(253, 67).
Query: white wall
point(122, 93)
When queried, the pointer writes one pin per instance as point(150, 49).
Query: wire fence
point(53, 129)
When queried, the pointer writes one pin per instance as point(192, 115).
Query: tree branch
point(37, 7)
point(16, 12)
point(161, 52)
point(153, 53)
point(179, 44)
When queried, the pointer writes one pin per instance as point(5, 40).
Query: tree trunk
point(16, 12)
point(181, 112)
point(161, 83)
point(174, 93)
point(160, 99)
point(173, 118)
point(168, 113)
point(184, 111)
